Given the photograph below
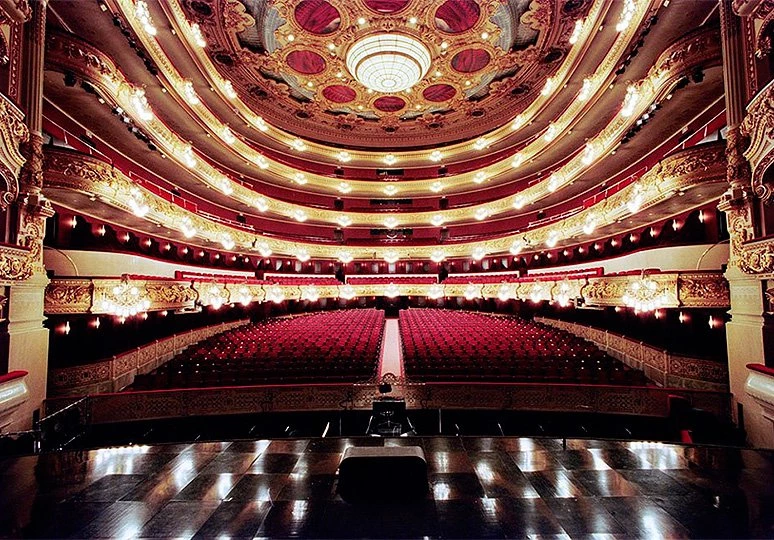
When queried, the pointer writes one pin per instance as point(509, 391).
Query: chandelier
point(388, 63)
point(505, 292)
point(125, 299)
point(391, 291)
point(310, 293)
point(472, 292)
point(435, 291)
point(215, 295)
point(243, 296)
point(347, 292)
point(643, 294)
point(538, 293)
point(562, 296)
point(276, 294)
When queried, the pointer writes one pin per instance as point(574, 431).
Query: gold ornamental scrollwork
point(757, 257)
point(68, 296)
point(165, 294)
point(16, 264)
point(66, 170)
point(703, 290)
point(13, 134)
point(74, 296)
point(683, 289)
point(752, 256)
point(758, 127)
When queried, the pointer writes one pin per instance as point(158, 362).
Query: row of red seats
point(386, 280)
point(301, 280)
point(340, 346)
point(482, 278)
point(572, 274)
point(456, 345)
point(220, 278)
point(509, 277)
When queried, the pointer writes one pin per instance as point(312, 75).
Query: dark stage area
point(478, 487)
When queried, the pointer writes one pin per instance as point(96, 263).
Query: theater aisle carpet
point(391, 360)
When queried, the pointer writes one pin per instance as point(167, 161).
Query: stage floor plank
point(479, 488)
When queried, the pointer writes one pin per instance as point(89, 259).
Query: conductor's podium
point(382, 473)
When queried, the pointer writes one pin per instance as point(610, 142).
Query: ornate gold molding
point(762, 13)
point(705, 289)
point(700, 48)
point(698, 166)
point(68, 296)
point(752, 256)
point(15, 11)
point(13, 133)
point(758, 126)
point(81, 296)
point(661, 366)
point(684, 289)
point(757, 257)
point(16, 263)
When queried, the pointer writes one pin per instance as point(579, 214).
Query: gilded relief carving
point(68, 296)
point(703, 290)
point(13, 134)
point(695, 289)
point(702, 165)
point(748, 254)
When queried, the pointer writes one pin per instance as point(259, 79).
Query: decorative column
point(745, 332)
point(28, 339)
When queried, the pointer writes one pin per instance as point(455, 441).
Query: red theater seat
point(340, 346)
point(456, 345)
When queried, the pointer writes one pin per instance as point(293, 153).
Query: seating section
point(569, 274)
point(396, 279)
point(285, 279)
point(513, 277)
point(334, 346)
point(464, 279)
point(446, 345)
point(220, 278)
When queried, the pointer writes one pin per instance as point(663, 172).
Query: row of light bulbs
point(481, 143)
point(140, 208)
point(216, 295)
point(137, 203)
point(555, 181)
point(143, 15)
point(480, 214)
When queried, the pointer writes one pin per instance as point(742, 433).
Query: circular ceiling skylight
point(388, 63)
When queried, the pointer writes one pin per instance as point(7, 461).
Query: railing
point(119, 371)
point(569, 398)
point(13, 394)
point(64, 426)
point(226, 221)
point(659, 365)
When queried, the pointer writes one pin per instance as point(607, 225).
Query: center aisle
point(391, 360)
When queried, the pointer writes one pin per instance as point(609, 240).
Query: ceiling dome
point(388, 63)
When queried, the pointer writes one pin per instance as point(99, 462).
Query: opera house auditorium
point(386, 268)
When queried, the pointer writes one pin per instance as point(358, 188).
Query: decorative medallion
point(362, 69)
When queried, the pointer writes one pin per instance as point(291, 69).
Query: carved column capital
point(31, 179)
point(16, 11)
